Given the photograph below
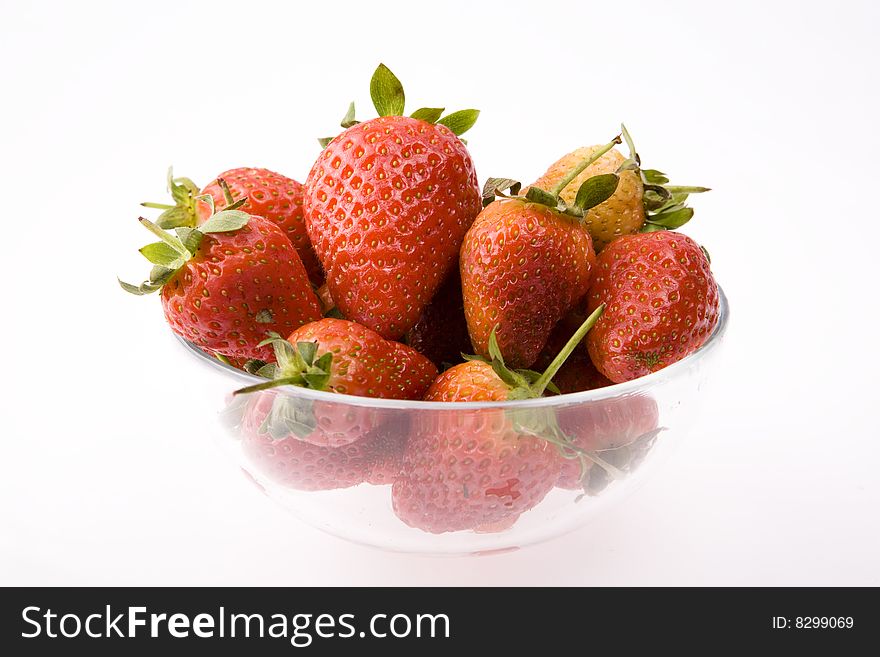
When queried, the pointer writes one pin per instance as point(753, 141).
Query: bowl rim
point(635, 386)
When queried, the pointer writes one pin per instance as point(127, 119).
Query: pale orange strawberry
point(622, 214)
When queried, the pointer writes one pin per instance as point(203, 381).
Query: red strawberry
point(343, 357)
point(387, 205)
point(227, 284)
point(285, 459)
point(602, 427)
point(523, 267)
point(264, 193)
point(441, 333)
point(527, 260)
point(275, 197)
point(472, 469)
point(662, 304)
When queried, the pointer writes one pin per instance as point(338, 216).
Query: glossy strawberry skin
point(274, 197)
point(661, 304)
point(471, 381)
point(441, 333)
point(387, 205)
point(239, 286)
point(366, 364)
point(470, 469)
point(524, 266)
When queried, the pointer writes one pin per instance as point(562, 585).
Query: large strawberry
point(526, 262)
point(387, 205)
point(475, 468)
point(642, 195)
point(229, 282)
point(662, 304)
point(266, 194)
point(343, 357)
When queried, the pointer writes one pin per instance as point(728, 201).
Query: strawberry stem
point(540, 385)
point(287, 381)
point(574, 173)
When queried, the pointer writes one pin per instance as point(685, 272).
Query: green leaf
point(235, 205)
point(144, 288)
point(506, 375)
point(461, 121)
point(160, 253)
point(159, 274)
point(706, 253)
point(676, 189)
point(634, 155)
point(307, 350)
point(179, 216)
point(325, 141)
point(387, 92)
point(596, 190)
point(168, 238)
point(209, 201)
point(324, 362)
point(672, 220)
point(284, 351)
point(190, 237)
point(182, 189)
point(316, 380)
point(651, 228)
point(494, 186)
point(225, 221)
point(267, 371)
point(494, 350)
point(655, 177)
point(538, 195)
point(348, 120)
point(429, 114)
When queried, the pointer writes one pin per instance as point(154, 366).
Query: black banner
point(116, 621)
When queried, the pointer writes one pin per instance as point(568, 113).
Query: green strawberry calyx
point(296, 365)
point(389, 99)
point(185, 194)
point(592, 192)
point(528, 384)
point(541, 422)
point(665, 205)
point(175, 248)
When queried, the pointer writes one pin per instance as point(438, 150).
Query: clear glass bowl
point(624, 432)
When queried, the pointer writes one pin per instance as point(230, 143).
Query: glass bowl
point(622, 433)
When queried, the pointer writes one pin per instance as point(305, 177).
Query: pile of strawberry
point(389, 263)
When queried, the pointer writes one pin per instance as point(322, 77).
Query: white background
point(109, 474)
